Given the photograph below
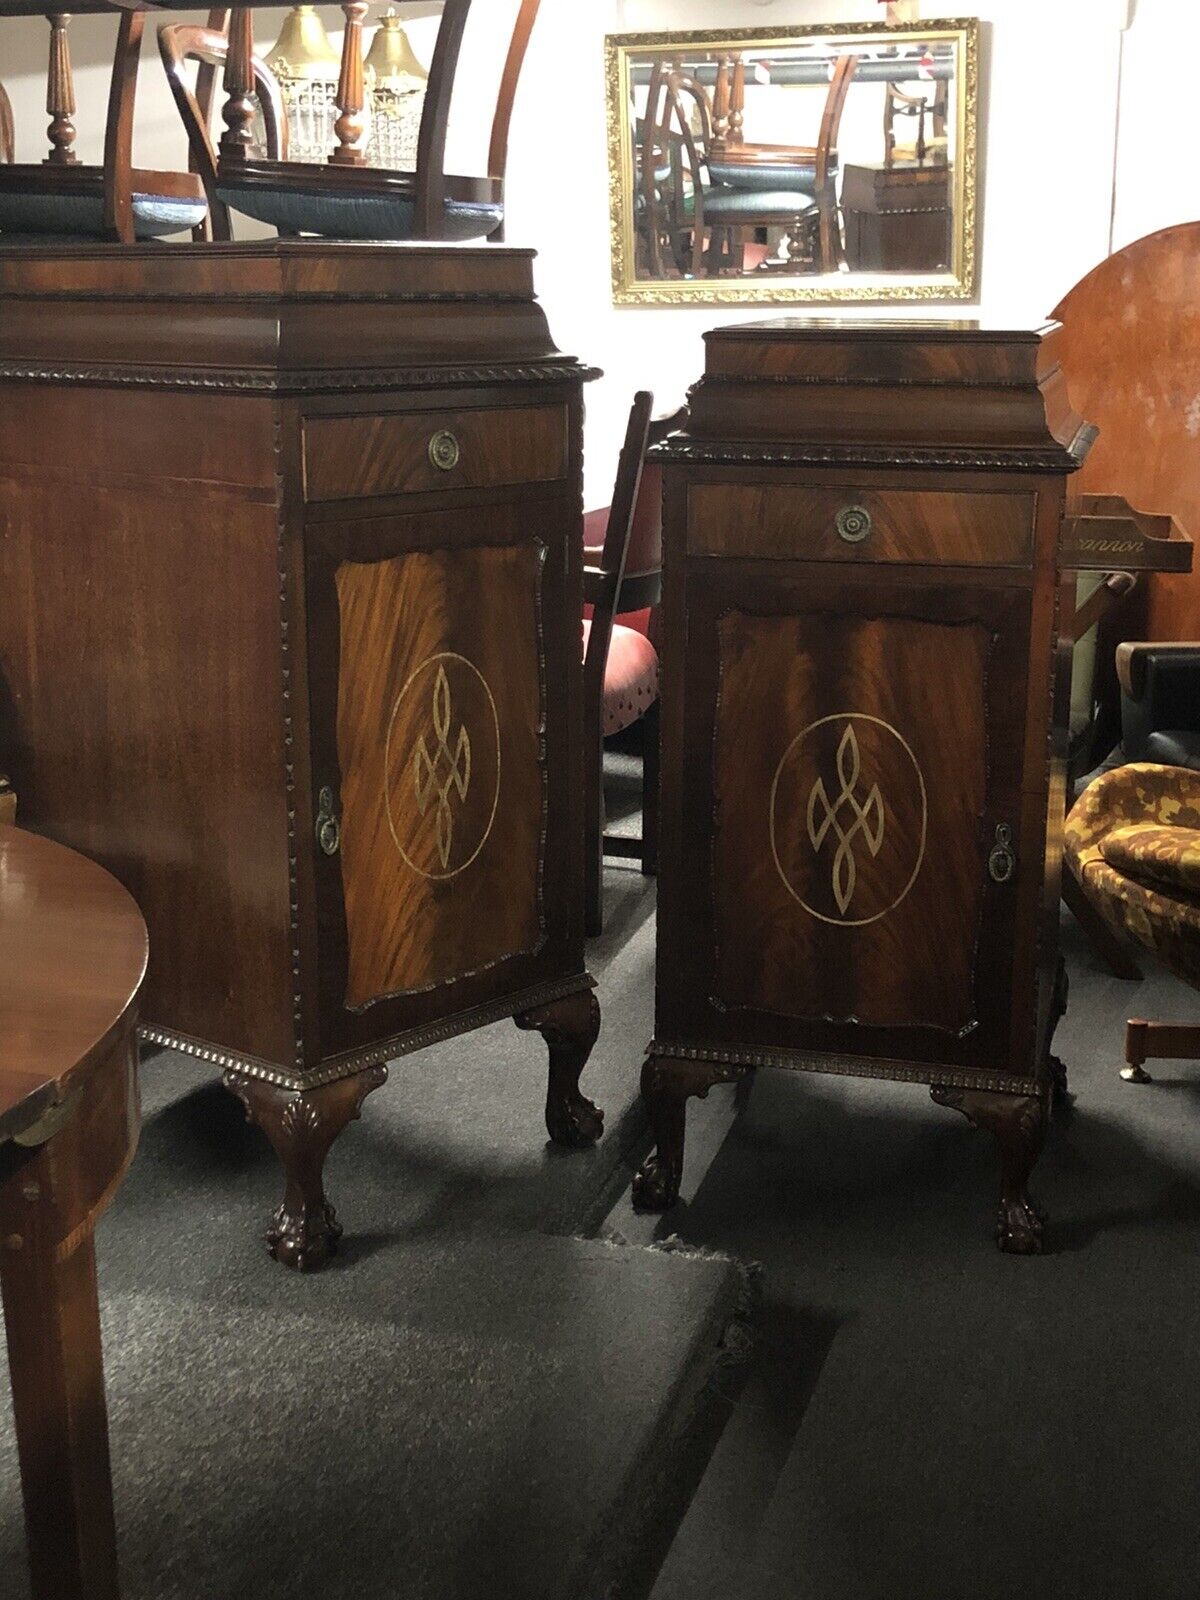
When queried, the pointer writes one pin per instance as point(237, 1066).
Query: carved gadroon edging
point(740, 1061)
point(400, 1044)
point(316, 381)
point(1064, 458)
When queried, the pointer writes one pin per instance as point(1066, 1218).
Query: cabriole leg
point(666, 1086)
point(1019, 1125)
point(570, 1028)
point(301, 1125)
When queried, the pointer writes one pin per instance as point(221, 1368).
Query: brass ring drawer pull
point(329, 833)
point(444, 451)
point(853, 524)
point(1002, 862)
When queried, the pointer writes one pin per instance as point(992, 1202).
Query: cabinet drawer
point(802, 523)
point(349, 458)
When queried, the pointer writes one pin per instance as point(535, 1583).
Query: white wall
point(1048, 131)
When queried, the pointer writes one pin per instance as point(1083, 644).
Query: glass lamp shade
point(307, 68)
point(396, 83)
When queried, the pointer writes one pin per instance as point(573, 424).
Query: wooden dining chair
point(8, 142)
point(622, 586)
point(64, 197)
point(756, 185)
point(346, 198)
point(208, 46)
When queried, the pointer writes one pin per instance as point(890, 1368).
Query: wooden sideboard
point(72, 955)
point(862, 783)
point(289, 640)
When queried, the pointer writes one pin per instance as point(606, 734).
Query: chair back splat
point(180, 43)
point(62, 197)
point(346, 198)
point(8, 138)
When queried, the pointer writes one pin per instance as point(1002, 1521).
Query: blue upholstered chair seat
point(358, 216)
point(784, 175)
point(81, 216)
point(765, 203)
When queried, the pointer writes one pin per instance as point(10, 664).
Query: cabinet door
point(441, 670)
point(853, 757)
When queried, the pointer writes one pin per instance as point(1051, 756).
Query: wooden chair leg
point(593, 833)
point(1157, 1041)
point(651, 735)
point(1100, 936)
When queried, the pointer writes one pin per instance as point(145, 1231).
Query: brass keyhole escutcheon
point(329, 833)
point(1002, 862)
point(853, 524)
point(444, 451)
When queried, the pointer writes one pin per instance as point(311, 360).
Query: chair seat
point(1163, 857)
point(763, 175)
point(1131, 841)
point(764, 203)
point(356, 216)
point(81, 216)
point(630, 677)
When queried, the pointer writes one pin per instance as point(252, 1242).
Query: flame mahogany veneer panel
point(848, 863)
point(441, 707)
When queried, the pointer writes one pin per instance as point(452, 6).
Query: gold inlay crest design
point(867, 818)
point(442, 772)
point(442, 765)
point(850, 829)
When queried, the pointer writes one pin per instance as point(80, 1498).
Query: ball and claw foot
point(570, 1027)
point(1019, 1227)
point(655, 1185)
point(303, 1243)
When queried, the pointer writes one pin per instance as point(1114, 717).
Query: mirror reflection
point(832, 164)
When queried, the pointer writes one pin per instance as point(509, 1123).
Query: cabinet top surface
point(892, 330)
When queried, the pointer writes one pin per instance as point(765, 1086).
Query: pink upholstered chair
point(622, 584)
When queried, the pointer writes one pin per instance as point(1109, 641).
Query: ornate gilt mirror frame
point(625, 53)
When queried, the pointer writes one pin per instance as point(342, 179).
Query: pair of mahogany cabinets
point(289, 640)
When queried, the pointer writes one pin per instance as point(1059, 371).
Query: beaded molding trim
point(1065, 458)
point(401, 1044)
point(304, 381)
point(844, 1067)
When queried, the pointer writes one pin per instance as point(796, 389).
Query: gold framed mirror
point(819, 163)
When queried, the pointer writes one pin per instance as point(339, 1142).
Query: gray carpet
point(927, 1417)
point(468, 1403)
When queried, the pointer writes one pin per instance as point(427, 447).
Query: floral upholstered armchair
point(1133, 845)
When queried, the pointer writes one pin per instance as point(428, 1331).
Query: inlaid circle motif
point(442, 766)
point(848, 818)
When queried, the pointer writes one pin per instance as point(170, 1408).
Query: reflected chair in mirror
point(622, 587)
point(677, 134)
point(345, 198)
point(769, 185)
point(62, 198)
point(929, 140)
point(8, 142)
point(1132, 845)
point(182, 43)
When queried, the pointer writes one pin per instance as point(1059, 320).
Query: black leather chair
point(1160, 702)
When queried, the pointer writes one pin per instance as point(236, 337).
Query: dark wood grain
point(800, 523)
point(861, 759)
point(440, 708)
point(347, 457)
point(184, 675)
point(72, 956)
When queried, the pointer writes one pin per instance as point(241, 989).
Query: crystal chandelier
point(307, 67)
point(395, 87)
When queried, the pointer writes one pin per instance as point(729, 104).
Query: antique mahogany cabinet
point(864, 707)
point(289, 640)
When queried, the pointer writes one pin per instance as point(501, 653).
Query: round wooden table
point(72, 958)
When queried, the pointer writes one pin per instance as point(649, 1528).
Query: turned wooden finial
point(351, 124)
point(737, 99)
point(60, 94)
point(238, 110)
